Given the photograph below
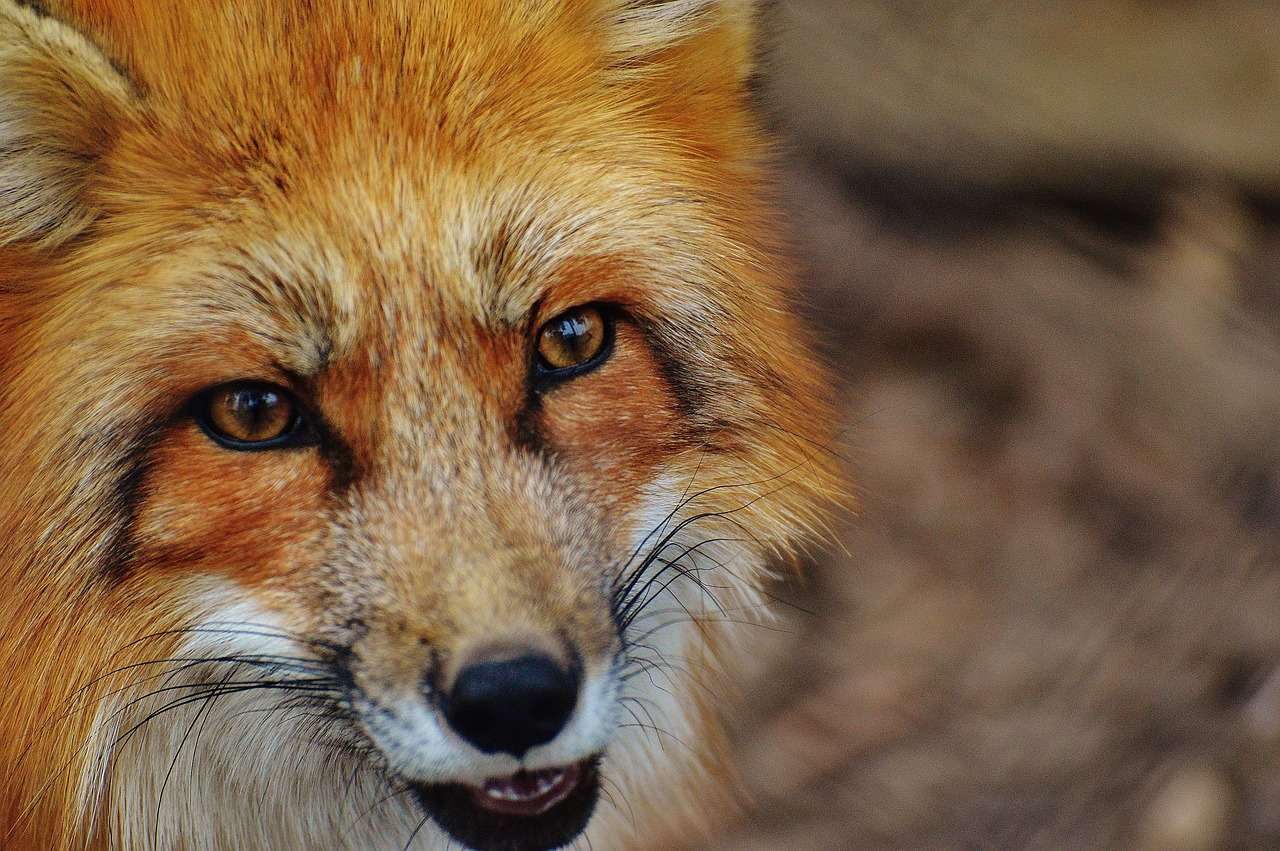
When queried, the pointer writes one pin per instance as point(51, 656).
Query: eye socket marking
point(250, 416)
point(574, 342)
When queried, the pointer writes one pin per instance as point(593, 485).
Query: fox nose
point(511, 705)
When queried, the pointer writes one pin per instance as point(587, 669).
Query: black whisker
point(164, 785)
point(414, 835)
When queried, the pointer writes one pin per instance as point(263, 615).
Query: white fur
point(237, 771)
point(659, 722)
point(240, 771)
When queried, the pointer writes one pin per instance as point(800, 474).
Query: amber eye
point(573, 342)
point(249, 416)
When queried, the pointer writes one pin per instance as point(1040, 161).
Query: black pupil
point(575, 336)
point(253, 407)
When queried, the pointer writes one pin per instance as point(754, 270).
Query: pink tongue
point(527, 793)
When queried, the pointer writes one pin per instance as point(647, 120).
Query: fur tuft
point(641, 29)
point(60, 101)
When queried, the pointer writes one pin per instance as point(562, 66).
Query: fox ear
point(61, 102)
point(709, 33)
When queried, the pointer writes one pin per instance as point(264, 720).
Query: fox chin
point(401, 414)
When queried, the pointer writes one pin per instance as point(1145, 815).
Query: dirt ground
point(1055, 622)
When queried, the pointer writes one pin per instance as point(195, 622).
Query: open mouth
point(526, 811)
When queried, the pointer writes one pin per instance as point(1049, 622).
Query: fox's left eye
point(250, 416)
point(574, 342)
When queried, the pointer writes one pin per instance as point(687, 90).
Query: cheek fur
point(246, 515)
point(615, 426)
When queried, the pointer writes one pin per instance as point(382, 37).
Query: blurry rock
point(1192, 812)
point(1010, 92)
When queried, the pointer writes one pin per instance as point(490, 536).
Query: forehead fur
point(324, 174)
point(475, 160)
point(253, 71)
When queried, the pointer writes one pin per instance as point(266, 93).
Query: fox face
point(400, 411)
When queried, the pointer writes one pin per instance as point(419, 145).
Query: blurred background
point(1041, 247)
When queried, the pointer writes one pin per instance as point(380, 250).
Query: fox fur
point(375, 207)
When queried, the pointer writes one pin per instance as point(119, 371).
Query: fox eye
point(574, 342)
point(250, 416)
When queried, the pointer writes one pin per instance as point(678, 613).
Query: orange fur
point(375, 208)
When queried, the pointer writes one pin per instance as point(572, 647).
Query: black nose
point(511, 705)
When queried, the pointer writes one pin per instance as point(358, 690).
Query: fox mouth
point(526, 811)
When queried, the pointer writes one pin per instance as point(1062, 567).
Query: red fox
point(401, 410)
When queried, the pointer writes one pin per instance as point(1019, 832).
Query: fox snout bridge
point(511, 705)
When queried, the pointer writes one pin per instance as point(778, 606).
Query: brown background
point(1041, 244)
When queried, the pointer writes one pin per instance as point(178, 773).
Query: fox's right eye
point(250, 416)
point(574, 342)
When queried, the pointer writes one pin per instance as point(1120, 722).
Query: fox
point(404, 412)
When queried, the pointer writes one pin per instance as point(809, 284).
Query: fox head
point(400, 412)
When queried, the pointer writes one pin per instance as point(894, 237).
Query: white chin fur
point(239, 770)
point(663, 676)
point(251, 769)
